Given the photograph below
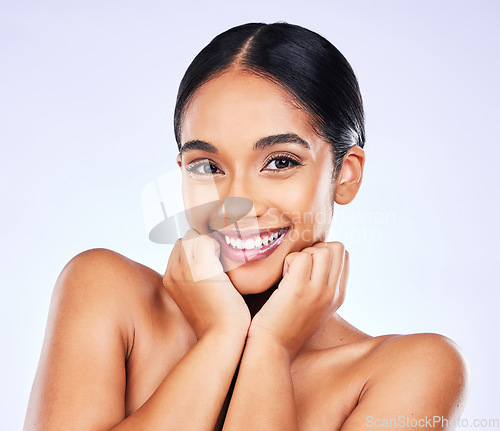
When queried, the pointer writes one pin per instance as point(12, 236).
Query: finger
point(288, 261)
point(217, 246)
point(186, 255)
point(341, 292)
point(177, 268)
point(300, 269)
point(188, 242)
point(321, 244)
point(321, 254)
point(190, 234)
point(206, 263)
point(321, 266)
point(316, 246)
point(206, 245)
point(175, 255)
point(330, 244)
point(173, 260)
point(335, 265)
point(337, 260)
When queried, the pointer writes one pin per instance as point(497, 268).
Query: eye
point(280, 162)
point(203, 167)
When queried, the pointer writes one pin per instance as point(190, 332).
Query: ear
point(350, 176)
point(179, 160)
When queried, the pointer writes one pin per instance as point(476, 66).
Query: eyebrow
point(267, 141)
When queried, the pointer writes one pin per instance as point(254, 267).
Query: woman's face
point(241, 137)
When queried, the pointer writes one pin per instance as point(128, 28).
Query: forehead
point(242, 106)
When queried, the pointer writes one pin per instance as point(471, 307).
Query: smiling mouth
point(256, 242)
point(250, 245)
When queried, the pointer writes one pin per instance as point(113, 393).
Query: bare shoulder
point(413, 377)
point(100, 271)
point(96, 303)
point(427, 355)
point(102, 262)
point(104, 278)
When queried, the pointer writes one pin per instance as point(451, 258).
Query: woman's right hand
point(196, 280)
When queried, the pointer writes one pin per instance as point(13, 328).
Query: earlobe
point(350, 176)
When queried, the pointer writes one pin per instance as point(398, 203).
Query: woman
point(241, 332)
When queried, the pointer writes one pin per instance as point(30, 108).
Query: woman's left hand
point(312, 289)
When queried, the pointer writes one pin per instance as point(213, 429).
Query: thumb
point(205, 262)
point(288, 261)
point(216, 246)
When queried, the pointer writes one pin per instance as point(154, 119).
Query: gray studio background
point(87, 91)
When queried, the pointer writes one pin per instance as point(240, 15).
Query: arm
point(312, 288)
point(263, 398)
point(420, 377)
point(192, 394)
point(81, 378)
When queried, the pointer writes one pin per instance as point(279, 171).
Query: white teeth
point(251, 243)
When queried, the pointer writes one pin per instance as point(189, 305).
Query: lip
point(245, 234)
point(253, 255)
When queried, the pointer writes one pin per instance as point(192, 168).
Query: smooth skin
point(129, 349)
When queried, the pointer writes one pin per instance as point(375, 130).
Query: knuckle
point(204, 241)
point(320, 244)
point(338, 248)
point(335, 244)
point(307, 250)
point(291, 256)
point(300, 292)
point(180, 272)
point(338, 245)
point(305, 256)
point(332, 292)
point(167, 280)
point(206, 244)
point(325, 251)
point(191, 233)
point(184, 243)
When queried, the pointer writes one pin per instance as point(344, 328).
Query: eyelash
point(284, 156)
point(191, 167)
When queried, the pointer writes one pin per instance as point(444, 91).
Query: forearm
point(263, 397)
point(191, 395)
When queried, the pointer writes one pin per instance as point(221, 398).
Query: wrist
point(231, 336)
point(266, 343)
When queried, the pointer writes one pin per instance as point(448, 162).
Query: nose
point(234, 208)
point(236, 200)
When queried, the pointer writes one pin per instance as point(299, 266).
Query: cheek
point(312, 195)
point(310, 210)
point(198, 193)
point(201, 202)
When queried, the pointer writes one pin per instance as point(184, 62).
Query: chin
point(252, 278)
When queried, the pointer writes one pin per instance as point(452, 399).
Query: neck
point(256, 301)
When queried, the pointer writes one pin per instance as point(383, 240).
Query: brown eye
point(282, 162)
point(208, 168)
